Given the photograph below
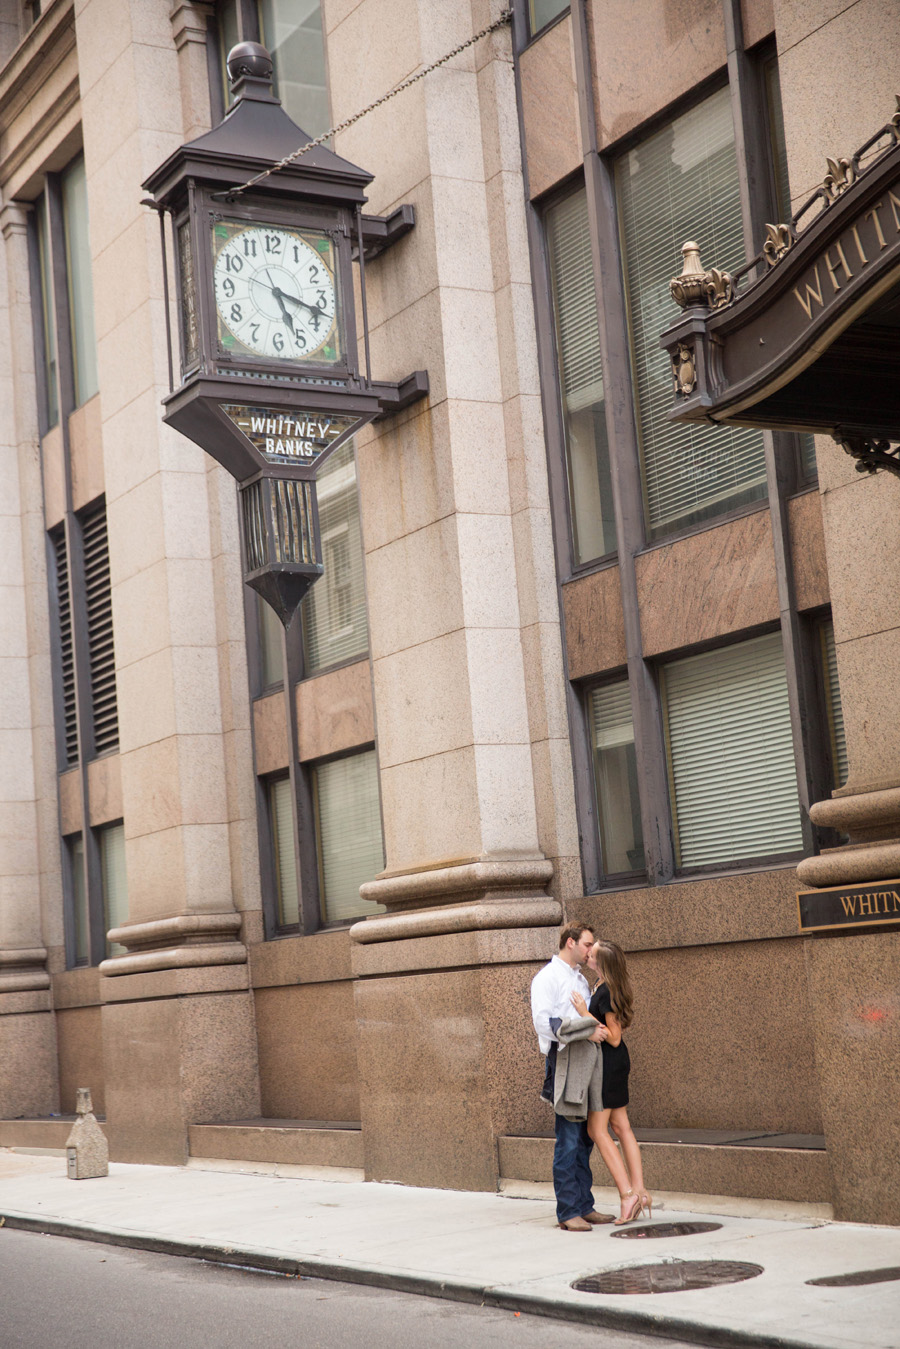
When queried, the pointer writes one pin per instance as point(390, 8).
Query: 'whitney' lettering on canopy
point(837, 267)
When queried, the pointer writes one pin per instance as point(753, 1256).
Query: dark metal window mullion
point(93, 886)
point(627, 490)
point(757, 203)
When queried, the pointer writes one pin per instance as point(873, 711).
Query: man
point(551, 1004)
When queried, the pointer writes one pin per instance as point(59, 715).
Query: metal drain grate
point(862, 1276)
point(666, 1230)
point(668, 1276)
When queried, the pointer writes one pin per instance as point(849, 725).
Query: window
point(287, 894)
point(542, 12)
point(731, 759)
point(839, 760)
point(271, 644)
point(615, 776)
point(581, 378)
point(80, 283)
point(335, 627)
point(114, 881)
point(348, 825)
point(68, 732)
point(292, 32)
point(682, 183)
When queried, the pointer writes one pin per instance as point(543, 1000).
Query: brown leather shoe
point(575, 1225)
point(595, 1218)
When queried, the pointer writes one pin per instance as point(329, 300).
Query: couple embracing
point(586, 1077)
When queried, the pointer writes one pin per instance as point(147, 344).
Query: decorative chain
point(284, 163)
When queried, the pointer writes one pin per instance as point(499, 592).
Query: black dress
point(616, 1060)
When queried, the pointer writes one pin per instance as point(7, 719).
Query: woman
point(612, 1005)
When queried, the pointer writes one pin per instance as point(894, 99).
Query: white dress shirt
point(551, 995)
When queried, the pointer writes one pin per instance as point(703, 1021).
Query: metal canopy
point(807, 336)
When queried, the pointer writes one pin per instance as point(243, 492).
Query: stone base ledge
point(28, 1000)
point(492, 915)
point(852, 865)
point(148, 984)
point(182, 930)
point(457, 950)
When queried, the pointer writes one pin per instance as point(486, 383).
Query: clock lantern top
point(265, 296)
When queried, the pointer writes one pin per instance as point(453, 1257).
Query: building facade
point(571, 655)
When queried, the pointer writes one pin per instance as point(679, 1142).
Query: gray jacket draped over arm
point(578, 1084)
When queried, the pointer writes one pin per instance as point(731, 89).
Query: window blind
point(271, 643)
point(98, 602)
point(281, 816)
point(731, 756)
point(835, 711)
point(351, 848)
point(680, 184)
point(581, 377)
point(67, 673)
point(115, 881)
point(615, 773)
point(335, 626)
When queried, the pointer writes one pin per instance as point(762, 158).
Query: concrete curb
point(376, 1276)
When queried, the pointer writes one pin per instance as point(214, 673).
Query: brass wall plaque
point(875, 904)
point(289, 435)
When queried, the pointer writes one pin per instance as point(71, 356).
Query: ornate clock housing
point(270, 380)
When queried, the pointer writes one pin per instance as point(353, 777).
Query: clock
point(276, 293)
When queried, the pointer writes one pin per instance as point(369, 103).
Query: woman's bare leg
point(597, 1122)
point(621, 1127)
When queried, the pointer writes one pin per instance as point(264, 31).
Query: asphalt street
point(81, 1295)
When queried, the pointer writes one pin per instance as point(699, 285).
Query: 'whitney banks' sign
point(875, 904)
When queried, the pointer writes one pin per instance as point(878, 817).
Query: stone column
point(852, 979)
point(465, 643)
point(28, 1065)
point(178, 1031)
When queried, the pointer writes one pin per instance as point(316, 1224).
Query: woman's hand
point(579, 1004)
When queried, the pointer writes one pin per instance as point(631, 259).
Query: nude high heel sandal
point(630, 1213)
point(647, 1203)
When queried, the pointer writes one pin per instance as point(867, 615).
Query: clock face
point(275, 292)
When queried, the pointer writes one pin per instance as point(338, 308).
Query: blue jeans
point(572, 1178)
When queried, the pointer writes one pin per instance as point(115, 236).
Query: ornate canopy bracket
point(712, 289)
point(870, 454)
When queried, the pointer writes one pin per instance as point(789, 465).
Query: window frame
point(313, 765)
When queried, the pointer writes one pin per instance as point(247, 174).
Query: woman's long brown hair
point(610, 960)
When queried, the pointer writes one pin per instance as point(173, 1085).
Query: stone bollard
point(87, 1151)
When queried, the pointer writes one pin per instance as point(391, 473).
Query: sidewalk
point(501, 1250)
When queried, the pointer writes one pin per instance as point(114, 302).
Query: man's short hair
point(575, 931)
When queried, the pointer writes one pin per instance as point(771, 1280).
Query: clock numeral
point(301, 338)
point(236, 313)
point(233, 262)
point(249, 248)
point(296, 253)
point(273, 243)
point(228, 286)
point(322, 302)
point(278, 342)
point(254, 332)
point(315, 322)
point(313, 274)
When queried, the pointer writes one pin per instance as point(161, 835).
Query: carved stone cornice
point(190, 20)
point(476, 884)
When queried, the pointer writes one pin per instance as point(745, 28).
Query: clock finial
point(249, 59)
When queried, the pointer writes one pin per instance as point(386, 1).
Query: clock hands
point(282, 295)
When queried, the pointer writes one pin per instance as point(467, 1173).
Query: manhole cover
point(666, 1230)
point(668, 1276)
point(855, 1280)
